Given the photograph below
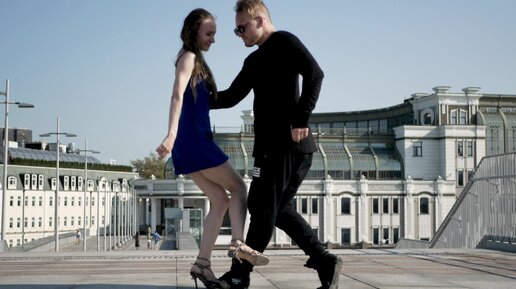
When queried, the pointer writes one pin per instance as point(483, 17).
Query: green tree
point(150, 166)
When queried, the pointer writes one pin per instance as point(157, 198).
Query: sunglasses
point(240, 29)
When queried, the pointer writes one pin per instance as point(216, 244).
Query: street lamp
point(56, 203)
point(86, 151)
point(6, 146)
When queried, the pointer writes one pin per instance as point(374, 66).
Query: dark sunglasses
point(240, 29)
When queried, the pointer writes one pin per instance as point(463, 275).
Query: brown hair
point(189, 33)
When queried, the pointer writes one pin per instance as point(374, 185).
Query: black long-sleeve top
point(272, 72)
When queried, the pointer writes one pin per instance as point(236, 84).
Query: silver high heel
point(202, 269)
point(239, 250)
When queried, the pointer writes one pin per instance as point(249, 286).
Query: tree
point(150, 166)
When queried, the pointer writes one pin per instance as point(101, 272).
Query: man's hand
point(299, 134)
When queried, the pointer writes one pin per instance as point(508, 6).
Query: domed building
point(379, 175)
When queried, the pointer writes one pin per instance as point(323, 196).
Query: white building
point(379, 175)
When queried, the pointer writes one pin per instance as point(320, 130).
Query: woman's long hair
point(189, 34)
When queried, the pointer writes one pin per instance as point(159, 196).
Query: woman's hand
point(165, 147)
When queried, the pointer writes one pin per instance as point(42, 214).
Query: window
point(34, 182)
point(66, 181)
point(460, 178)
point(395, 235)
point(40, 222)
point(50, 201)
point(92, 201)
point(345, 206)
point(395, 206)
point(65, 201)
point(33, 201)
point(25, 222)
point(53, 184)
point(304, 206)
point(79, 183)
point(73, 202)
point(50, 221)
point(40, 181)
point(375, 206)
point(385, 239)
point(470, 148)
point(19, 201)
point(460, 148)
point(453, 117)
point(72, 183)
point(26, 181)
point(11, 201)
point(385, 205)
point(79, 221)
point(33, 222)
point(418, 148)
point(423, 206)
point(65, 221)
point(11, 183)
point(72, 221)
point(18, 222)
point(11, 223)
point(376, 235)
point(463, 117)
point(345, 236)
point(315, 206)
point(40, 201)
point(93, 220)
point(26, 201)
point(79, 200)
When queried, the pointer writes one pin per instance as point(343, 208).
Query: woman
point(194, 153)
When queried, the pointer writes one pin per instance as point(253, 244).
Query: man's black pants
point(276, 179)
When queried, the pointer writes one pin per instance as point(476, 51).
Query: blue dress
point(194, 148)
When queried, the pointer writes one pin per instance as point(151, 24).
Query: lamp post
point(6, 146)
point(86, 151)
point(56, 203)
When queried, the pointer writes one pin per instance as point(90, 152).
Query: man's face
point(247, 29)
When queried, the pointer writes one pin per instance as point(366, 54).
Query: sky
point(105, 68)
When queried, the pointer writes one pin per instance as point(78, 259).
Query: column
point(154, 205)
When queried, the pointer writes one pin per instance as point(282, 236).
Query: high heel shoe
point(239, 250)
point(202, 269)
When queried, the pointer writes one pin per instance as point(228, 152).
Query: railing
point(486, 206)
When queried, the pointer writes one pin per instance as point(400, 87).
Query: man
point(283, 145)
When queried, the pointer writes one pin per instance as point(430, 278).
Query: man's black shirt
point(272, 72)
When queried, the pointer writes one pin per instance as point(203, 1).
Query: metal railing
point(486, 208)
point(484, 215)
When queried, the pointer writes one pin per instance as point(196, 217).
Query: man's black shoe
point(239, 276)
point(236, 281)
point(328, 268)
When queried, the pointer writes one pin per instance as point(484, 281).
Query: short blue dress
point(194, 149)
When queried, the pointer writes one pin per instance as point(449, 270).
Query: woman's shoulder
point(186, 56)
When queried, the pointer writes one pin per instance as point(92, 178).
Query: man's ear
point(260, 21)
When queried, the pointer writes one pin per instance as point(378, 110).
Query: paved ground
point(154, 269)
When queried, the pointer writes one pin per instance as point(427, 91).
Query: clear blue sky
point(105, 67)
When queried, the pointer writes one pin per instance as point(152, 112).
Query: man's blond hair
point(253, 8)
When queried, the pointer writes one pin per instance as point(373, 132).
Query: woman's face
point(206, 34)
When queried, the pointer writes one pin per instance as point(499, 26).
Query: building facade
point(92, 201)
point(379, 175)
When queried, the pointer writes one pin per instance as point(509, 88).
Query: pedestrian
point(137, 240)
point(78, 237)
point(149, 232)
point(194, 153)
point(156, 237)
point(283, 145)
